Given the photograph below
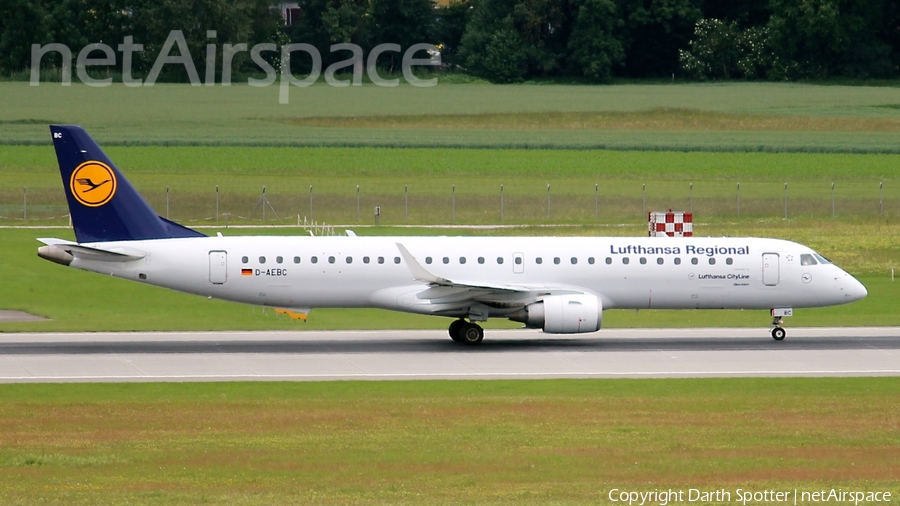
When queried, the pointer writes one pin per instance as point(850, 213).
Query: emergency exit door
point(218, 267)
point(770, 269)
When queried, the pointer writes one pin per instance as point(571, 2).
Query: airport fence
point(590, 203)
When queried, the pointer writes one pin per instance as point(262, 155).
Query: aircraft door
point(218, 267)
point(518, 263)
point(770, 269)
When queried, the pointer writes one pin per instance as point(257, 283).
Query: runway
point(418, 354)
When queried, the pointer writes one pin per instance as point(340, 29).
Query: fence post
point(217, 203)
point(548, 201)
point(739, 199)
point(265, 202)
point(644, 198)
point(453, 202)
point(501, 202)
point(596, 200)
point(167, 202)
point(692, 198)
point(785, 200)
point(310, 204)
point(357, 203)
point(406, 202)
point(881, 199)
point(25, 203)
point(832, 200)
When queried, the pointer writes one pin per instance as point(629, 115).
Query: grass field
point(442, 442)
point(69, 296)
point(417, 186)
point(733, 116)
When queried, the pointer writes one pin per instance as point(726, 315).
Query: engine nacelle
point(563, 314)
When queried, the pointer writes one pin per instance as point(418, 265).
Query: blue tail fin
point(103, 204)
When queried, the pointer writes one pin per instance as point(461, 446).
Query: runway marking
point(464, 375)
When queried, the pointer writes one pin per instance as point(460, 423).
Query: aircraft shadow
point(440, 345)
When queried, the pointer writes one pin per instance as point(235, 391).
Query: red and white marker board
point(671, 224)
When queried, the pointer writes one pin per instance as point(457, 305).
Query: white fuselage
point(305, 272)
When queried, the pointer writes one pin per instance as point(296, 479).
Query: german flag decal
point(246, 272)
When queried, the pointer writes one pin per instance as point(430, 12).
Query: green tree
point(22, 23)
point(653, 31)
point(449, 26)
point(746, 13)
point(825, 38)
point(327, 22)
point(593, 46)
point(541, 27)
point(403, 22)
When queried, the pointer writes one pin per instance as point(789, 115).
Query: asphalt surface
point(384, 355)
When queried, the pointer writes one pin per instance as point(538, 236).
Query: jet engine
point(563, 314)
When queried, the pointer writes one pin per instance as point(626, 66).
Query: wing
point(451, 296)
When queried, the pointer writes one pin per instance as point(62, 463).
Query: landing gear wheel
point(470, 333)
point(778, 334)
point(454, 329)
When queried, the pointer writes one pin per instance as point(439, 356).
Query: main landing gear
point(462, 331)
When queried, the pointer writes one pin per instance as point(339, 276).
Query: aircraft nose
point(853, 289)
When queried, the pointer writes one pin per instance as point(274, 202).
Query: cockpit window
point(807, 259)
point(822, 259)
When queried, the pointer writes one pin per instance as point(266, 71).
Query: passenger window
point(296, 260)
point(396, 260)
point(279, 260)
point(381, 260)
point(625, 260)
point(481, 260)
point(500, 260)
point(462, 260)
point(244, 260)
point(365, 260)
point(659, 261)
point(538, 260)
point(643, 260)
point(314, 260)
point(349, 260)
point(331, 260)
point(677, 261)
point(427, 260)
point(556, 260)
point(591, 260)
point(446, 260)
point(712, 261)
point(574, 260)
point(518, 260)
point(262, 260)
point(806, 259)
point(729, 261)
point(608, 261)
point(694, 261)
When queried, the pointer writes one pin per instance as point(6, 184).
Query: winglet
point(419, 272)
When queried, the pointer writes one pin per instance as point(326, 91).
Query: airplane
point(560, 285)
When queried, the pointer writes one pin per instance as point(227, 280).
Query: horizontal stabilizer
point(95, 254)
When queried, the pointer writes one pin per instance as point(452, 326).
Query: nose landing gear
point(778, 333)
